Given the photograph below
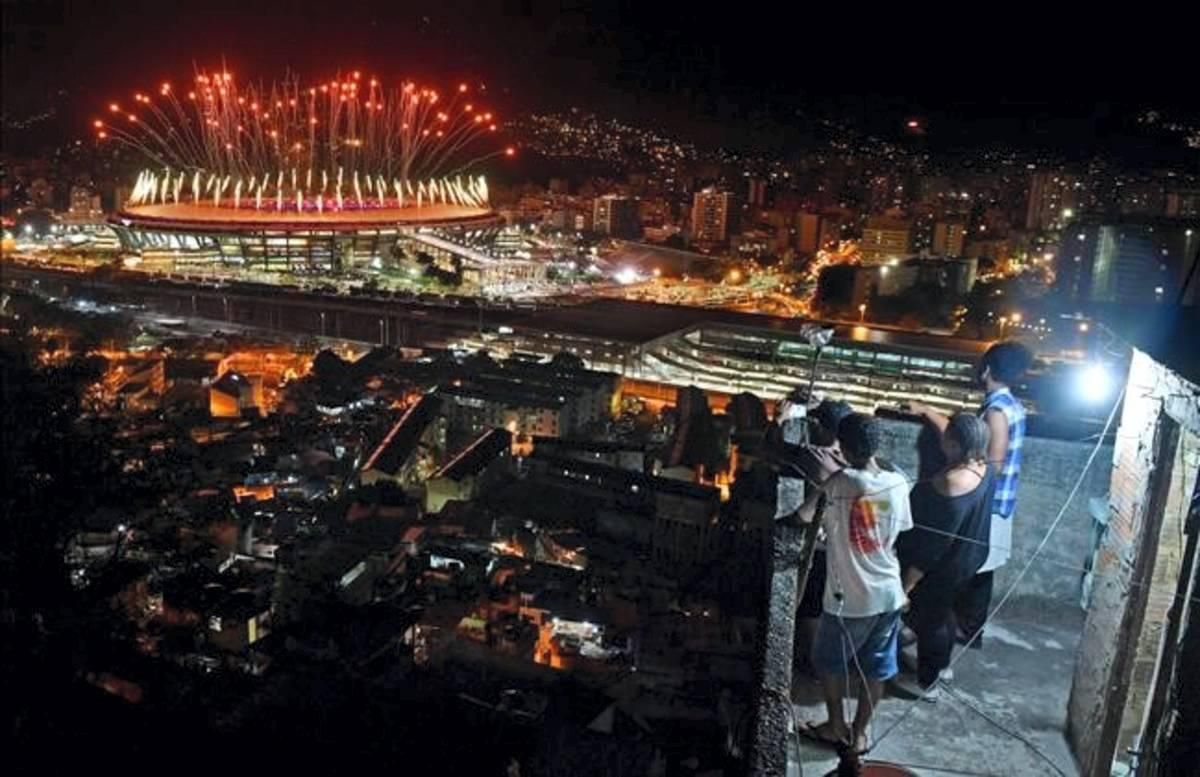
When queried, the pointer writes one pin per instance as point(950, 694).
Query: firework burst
point(348, 143)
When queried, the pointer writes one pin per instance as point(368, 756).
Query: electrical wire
point(962, 699)
point(862, 676)
point(1100, 439)
point(1055, 562)
point(1024, 570)
point(943, 769)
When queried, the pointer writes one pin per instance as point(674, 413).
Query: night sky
point(1011, 74)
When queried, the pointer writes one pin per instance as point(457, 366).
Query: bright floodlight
point(1095, 383)
point(626, 276)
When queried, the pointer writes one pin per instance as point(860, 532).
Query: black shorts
point(814, 592)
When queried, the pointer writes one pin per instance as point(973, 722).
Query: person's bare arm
point(912, 576)
point(830, 463)
point(927, 413)
point(997, 424)
point(808, 510)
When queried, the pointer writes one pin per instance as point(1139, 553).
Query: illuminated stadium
point(187, 234)
point(288, 177)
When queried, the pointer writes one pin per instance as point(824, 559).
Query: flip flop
point(816, 732)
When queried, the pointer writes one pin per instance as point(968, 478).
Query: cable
point(1024, 570)
point(846, 639)
point(962, 698)
point(907, 480)
point(1062, 564)
point(943, 769)
point(862, 676)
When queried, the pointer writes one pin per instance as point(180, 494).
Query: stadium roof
point(201, 218)
point(632, 322)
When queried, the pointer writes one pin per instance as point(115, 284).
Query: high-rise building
point(1143, 198)
point(1127, 261)
point(1183, 203)
point(885, 238)
point(616, 216)
point(84, 204)
point(120, 196)
point(830, 232)
point(923, 223)
point(710, 216)
point(936, 190)
point(883, 192)
point(756, 194)
point(83, 208)
point(40, 193)
point(995, 249)
point(1053, 198)
point(948, 238)
point(808, 233)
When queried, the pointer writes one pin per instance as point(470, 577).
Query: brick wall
point(1108, 657)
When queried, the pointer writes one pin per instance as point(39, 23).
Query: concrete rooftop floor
point(1021, 679)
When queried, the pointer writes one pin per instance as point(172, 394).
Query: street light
point(862, 312)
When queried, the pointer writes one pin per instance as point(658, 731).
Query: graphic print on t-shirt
point(863, 536)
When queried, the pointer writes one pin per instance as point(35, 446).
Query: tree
point(835, 287)
point(55, 472)
point(568, 362)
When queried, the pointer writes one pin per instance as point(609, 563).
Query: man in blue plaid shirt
point(1001, 366)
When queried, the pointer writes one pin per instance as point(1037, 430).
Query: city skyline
point(543, 388)
point(657, 65)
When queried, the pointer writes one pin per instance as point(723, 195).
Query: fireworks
point(344, 144)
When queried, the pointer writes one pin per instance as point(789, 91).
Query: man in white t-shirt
point(866, 509)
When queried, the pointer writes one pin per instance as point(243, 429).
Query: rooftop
point(205, 217)
point(618, 479)
point(395, 447)
point(477, 455)
point(1017, 686)
point(588, 446)
point(632, 322)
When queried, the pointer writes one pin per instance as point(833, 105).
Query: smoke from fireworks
point(348, 143)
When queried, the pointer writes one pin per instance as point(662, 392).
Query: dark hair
point(1007, 361)
point(931, 459)
point(971, 434)
point(859, 436)
point(826, 417)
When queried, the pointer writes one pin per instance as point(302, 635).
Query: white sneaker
point(912, 690)
point(946, 675)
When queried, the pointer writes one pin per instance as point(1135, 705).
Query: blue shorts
point(872, 640)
